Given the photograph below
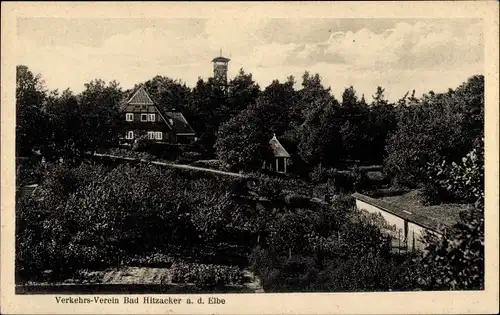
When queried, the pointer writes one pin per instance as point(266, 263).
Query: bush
point(456, 261)
point(282, 273)
point(454, 182)
point(296, 201)
point(157, 260)
point(320, 174)
point(206, 275)
point(212, 164)
point(28, 171)
point(188, 157)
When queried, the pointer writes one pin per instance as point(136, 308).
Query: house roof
point(179, 123)
point(427, 217)
point(277, 149)
point(140, 97)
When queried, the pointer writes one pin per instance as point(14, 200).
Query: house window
point(151, 135)
point(129, 135)
point(144, 117)
point(158, 135)
point(151, 117)
point(129, 117)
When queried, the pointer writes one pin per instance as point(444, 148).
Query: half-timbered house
point(146, 119)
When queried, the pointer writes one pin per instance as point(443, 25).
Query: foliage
point(351, 256)
point(158, 260)
point(167, 93)
point(243, 141)
point(189, 156)
point(89, 216)
point(462, 182)
point(93, 216)
point(243, 92)
point(319, 134)
point(206, 275)
point(28, 171)
point(31, 96)
point(456, 261)
point(81, 124)
point(436, 127)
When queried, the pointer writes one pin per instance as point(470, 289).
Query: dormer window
point(144, 117)
point(129, 117)
point(151, 117)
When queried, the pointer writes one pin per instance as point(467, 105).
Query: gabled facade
point(144, 118)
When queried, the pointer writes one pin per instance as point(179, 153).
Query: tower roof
point(223, 59)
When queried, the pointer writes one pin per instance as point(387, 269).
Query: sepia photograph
point(162, 156)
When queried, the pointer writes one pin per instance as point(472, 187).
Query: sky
point(398, 54)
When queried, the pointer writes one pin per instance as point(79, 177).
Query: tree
point(456, 260)
point(378, 98)
point(168, 93)
point(312, 91)
point(320, 133)
point(206, 112)
point(86, 122)
point(243, 91)
point(462, 182)
point(243, 141)
point(379, 125)
point(65, 121)
point(30, 118)
point(282, 98)
point(435, 127)
point(349, 98)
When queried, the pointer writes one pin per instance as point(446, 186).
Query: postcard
point(249, 158)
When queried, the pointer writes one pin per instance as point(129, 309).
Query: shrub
point(206, 275)
point(158, 260)
point(281, 273)
point(28, 171)
point(188, 157)
point(320, 174)
point(296, 201)
point(456, 261)
point(454, 182)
